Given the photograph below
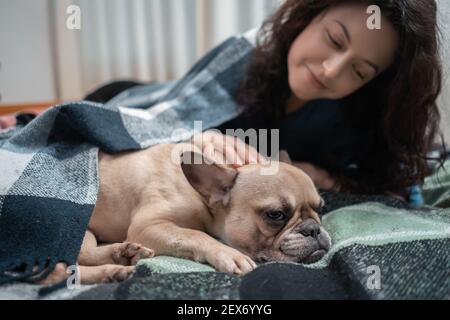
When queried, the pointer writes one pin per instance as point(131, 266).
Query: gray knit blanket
point(49, 168)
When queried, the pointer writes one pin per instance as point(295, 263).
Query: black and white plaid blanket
point(49, 176)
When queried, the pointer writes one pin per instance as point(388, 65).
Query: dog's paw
point(115, 273)
point(58, 274)
point(90, 274)
point(231, 261)
point(129, 253)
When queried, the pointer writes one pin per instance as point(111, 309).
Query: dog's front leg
point(166, 238)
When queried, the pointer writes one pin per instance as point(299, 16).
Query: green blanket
point(379, 251)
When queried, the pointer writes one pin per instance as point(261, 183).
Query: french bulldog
point(228, 217)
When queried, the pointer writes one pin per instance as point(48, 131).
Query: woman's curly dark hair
point(397, 109)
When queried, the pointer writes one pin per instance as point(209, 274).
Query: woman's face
point(337, 53)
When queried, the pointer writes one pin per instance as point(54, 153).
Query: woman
point(356, 107)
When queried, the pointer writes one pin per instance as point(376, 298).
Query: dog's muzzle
point(307, 243)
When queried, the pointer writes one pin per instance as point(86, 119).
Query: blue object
point(415, 196)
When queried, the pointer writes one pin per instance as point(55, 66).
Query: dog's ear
point(284, 157)
point(211, 180)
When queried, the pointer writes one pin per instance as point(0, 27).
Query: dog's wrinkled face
point(274, 218)
point(268, 217)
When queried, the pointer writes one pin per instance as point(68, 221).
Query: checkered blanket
point(49, 168)
point(382, 249)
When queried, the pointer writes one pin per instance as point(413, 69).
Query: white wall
point(27, 70)
point(137, 39)
point(146, 40)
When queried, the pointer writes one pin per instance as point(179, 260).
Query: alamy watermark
point(374, 280)
point(258, 140)
point(73, 21)
point(73, 282)
point(374, 21)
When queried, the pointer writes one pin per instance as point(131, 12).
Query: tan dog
point(148, 201)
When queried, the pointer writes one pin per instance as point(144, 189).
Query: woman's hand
point(225, 149)
point(321, 178)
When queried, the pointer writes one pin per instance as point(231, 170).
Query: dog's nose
point(310, 228)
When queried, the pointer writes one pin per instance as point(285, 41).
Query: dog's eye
point(276, 215)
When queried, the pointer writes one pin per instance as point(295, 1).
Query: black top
point(318, 133)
